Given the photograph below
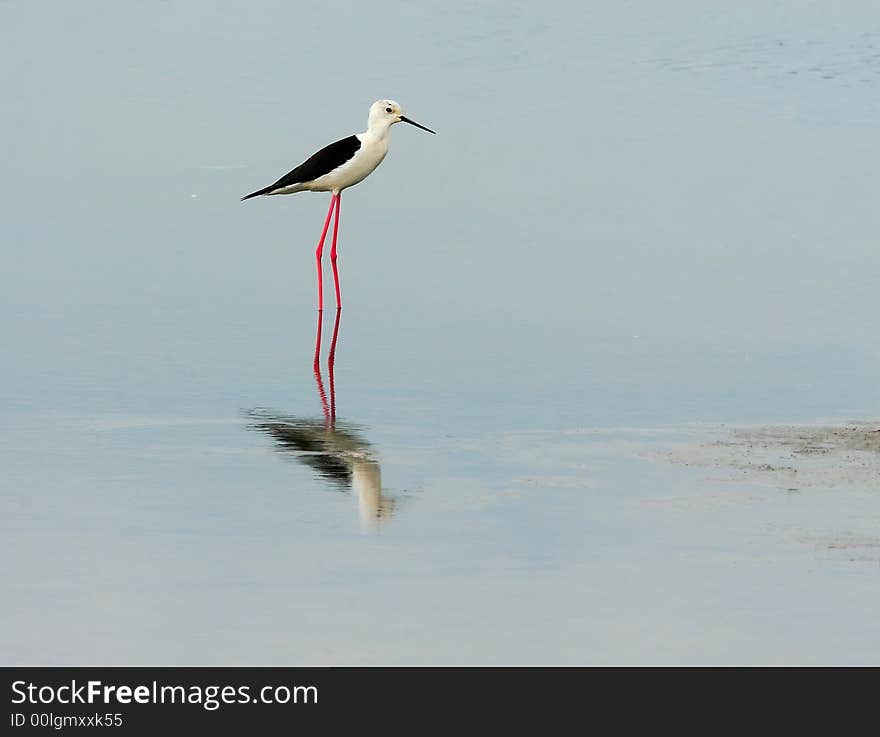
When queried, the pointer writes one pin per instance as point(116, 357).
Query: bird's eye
point(388, 110)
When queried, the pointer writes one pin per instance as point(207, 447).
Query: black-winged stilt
point(338, 166)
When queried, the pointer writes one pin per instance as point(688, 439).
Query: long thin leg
point(319, 250)
point(317, 363)
point(333, 252)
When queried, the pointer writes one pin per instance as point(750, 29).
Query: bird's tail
point(265, 190)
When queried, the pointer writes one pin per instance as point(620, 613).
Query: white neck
point(377, 129)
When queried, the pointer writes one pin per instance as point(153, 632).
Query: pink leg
point(317, 363)
point(333, 252)
point(319, 250)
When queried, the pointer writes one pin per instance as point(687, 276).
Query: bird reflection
point(335, 451)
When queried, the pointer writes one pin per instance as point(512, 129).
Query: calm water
point(630, 219)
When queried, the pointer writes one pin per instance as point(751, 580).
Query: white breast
point(356, 169)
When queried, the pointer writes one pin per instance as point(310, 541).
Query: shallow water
point(633, 224)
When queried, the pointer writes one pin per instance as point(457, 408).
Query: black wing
point(317, 165)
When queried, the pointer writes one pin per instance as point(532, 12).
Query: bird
point(336, 167)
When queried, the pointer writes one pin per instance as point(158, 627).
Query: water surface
point(633, 223)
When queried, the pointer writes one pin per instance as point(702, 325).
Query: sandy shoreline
point(790, 457)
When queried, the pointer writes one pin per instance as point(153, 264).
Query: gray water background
point(631, 218)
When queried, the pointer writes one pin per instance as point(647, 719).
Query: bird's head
point(385, 113)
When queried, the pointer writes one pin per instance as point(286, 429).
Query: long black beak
point(417, 125)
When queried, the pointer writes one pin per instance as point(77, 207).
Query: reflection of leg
point(316, 364)
point(316, 367)
point(333, 252)
point(331, 362)
point(319, 250)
